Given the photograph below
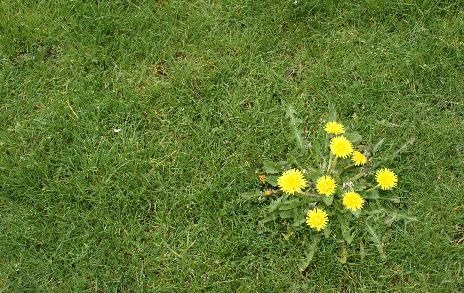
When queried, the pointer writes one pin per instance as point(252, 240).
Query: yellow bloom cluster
point(293, 181)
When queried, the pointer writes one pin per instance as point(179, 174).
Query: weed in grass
point(199, 90)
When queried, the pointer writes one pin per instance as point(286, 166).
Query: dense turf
point(198, 90)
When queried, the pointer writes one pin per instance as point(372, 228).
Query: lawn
point(129, 130)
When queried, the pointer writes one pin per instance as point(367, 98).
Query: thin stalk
point(332, 162)
point(354, 178)
point(372, 188)
point(346, 168)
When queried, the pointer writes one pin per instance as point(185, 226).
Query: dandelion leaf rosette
point(337, 188)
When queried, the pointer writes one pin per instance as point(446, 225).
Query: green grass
point(199, 90)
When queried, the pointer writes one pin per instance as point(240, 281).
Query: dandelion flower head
point(341, 147)
point(291, 181)
point(358, 158)
point(386, 178)
point(353, 201)
point(317, 219)
point(326, 185)
point(333, 127)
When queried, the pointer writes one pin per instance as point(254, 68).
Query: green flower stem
point(332, 163)
point(354, 178)
point(311, 194)
point(346, 168)
point(372, 188)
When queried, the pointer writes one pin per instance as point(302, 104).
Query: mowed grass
point(199, 90)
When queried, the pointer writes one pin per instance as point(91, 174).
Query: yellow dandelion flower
point(358, 158)
point(386, 178)
point(353, 201)
point(291, 181)
point(326, 185)
point(341, 147)
point(333, 127)
point(317, 219)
